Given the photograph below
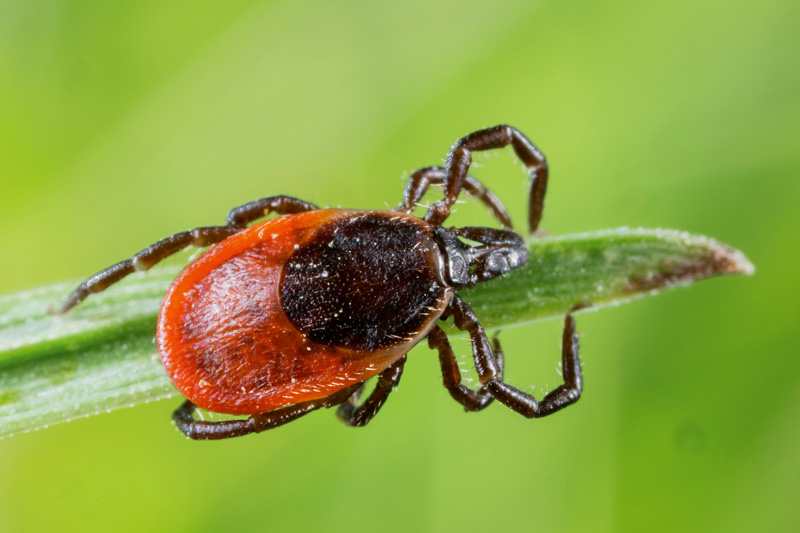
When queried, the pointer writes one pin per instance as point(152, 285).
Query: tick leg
point(519, 401)
point(422, 179)
point(238, 219)
point(460, 157)
point(472, 400)
point(555, 400)
point(203, 430)
point(490, 236)
point(145, 259)
point(486, 364)
point(355, 415)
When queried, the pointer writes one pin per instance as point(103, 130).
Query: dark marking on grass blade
point(719, 260)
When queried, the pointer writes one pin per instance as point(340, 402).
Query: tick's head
point(456, 260)
point(463, 265)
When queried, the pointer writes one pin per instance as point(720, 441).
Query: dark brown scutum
point(364, 282)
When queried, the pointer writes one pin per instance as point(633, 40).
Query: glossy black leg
point(490, 236)
point(238, 218)
point(354, 414)
point(283, 205)
point(555, 400)
point(145, 259)
point(486, 364)
point(460, 158)
point(472, 400)
point(522, 402)
point(422, 179)
point(202, 430)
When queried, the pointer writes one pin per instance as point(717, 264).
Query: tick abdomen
point(265, 308)
point(365, 282)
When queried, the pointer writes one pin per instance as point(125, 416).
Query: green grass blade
point(605, 267)
point(102, 356)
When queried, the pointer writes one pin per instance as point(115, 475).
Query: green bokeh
point(121, 122)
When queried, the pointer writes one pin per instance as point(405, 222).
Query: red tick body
point(294, 314)
point(226, 340)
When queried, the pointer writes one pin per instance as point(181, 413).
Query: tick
point(295, 313)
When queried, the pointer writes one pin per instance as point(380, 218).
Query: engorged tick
point(295, 313)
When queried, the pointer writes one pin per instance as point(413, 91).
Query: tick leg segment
point(203, 430)
point(490, 236)
point(355, 415)
point(472, 400)
point(460, 157)
point(486, 364)
point(422, 179)
point(519, 401)
point(145, 259)
point(238, 219)
point(555, 400)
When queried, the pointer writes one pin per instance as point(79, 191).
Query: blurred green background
point(122, 122)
